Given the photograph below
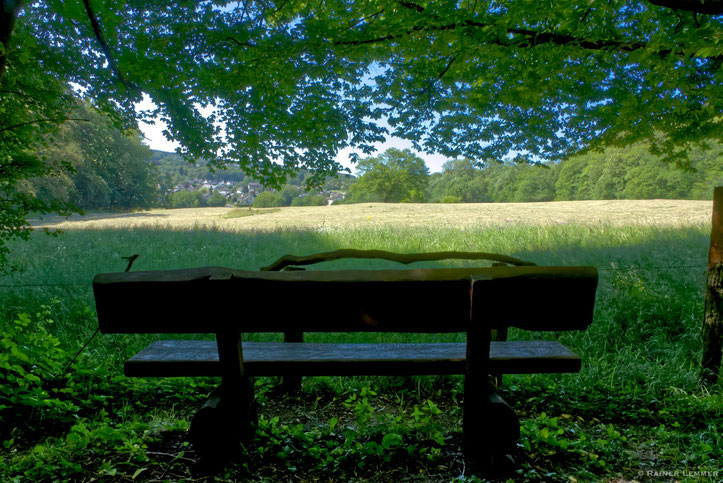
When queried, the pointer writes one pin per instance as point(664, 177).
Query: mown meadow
point(634, 412)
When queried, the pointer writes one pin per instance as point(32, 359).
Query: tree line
point(615, 173)
point(91, 165)
point(88, 164)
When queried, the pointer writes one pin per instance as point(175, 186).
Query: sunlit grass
point(465, 216)
point(243, 212)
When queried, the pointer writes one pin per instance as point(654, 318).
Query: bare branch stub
point(405, 258)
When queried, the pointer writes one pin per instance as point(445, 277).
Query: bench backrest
point(214, 299)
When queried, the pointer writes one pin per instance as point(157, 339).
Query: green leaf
point(138, 472)
point(391, 440)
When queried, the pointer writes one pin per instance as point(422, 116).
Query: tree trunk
point(712, 336)
point(8, 15)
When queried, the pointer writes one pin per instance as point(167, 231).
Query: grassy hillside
point(635, 407)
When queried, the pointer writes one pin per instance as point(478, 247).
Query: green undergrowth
point(634, 412)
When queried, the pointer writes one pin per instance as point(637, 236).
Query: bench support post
point(475, 423)
point(229, 415)
point(504, 428)
point(292, 384)
point(498, 335)
point(490, 428)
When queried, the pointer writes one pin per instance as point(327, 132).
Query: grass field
point(409, 215)
point(635, 411)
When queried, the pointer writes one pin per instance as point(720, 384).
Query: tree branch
point(535, 38)
point(239, 43)
point(446, 68)
point(405, 258)
point(372, 41)
point(362, 20)
point(21, 94)
point(411, 6)
point(584, 17)
point(710, 7)
point(38, 121)
point(103, 44)
point(439, 76)
point(529, 38)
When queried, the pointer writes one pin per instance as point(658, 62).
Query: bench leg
point(229, 415)
point(475, 428)
point(491, 428)
point(504, 424)
point(498, 335)
point(291, 384)
point(225, 420)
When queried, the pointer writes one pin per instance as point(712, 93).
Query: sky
point(154, 138)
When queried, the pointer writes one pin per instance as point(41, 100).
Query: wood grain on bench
point(169, 358)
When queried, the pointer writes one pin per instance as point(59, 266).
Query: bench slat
point(213, 299)
point(169, 358)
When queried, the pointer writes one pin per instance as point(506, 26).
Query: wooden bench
point(229, 302)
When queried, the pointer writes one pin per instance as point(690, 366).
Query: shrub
point(451, 199)
point(186, 199)
point(31, 365)
point(216, 199)
point(264, 199)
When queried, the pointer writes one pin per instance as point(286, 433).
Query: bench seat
point(169, 358)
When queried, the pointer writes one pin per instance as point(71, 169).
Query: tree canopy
point(391, 177)
point(95, 167)
point(277, 85)
point(295, 82)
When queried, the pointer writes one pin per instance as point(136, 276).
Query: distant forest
point(617, 173)
point(96, 167)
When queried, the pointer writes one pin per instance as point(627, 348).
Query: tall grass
point(645, 337)
point(634, 406)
